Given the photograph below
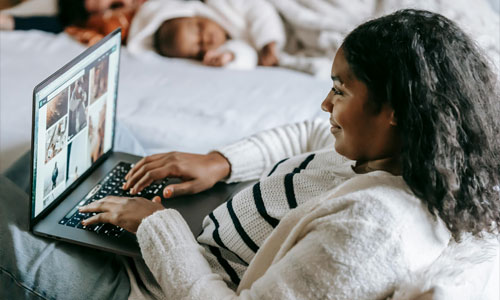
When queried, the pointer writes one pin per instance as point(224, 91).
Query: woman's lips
point(335, 128)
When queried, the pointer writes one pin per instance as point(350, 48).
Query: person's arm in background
point(43, 23)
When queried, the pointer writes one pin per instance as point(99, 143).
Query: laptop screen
point(73, 121)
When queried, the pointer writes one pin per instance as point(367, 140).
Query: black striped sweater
point(295, 163)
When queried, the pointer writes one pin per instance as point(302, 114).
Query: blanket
point(316, 28)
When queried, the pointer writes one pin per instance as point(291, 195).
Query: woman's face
point(360, 134)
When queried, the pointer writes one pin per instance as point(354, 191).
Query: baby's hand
point(215, 58)
point(268, 56)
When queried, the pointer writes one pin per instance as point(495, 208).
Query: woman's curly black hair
point(446, 103)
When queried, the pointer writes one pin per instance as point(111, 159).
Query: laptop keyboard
point(111, 185)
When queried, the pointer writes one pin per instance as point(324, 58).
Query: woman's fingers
point(96, 206)
point(147, 179)
point(127, 213)
point(184, 188)
point(99, 218)
point(102, 207)
point(142, 172)
point(139, 165)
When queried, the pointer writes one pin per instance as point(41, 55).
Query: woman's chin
point(338, 148)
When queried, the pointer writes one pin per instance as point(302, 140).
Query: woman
point(412, 109)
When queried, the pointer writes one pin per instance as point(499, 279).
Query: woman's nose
point(327, 105)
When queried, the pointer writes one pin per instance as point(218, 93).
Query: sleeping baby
point(224, 33)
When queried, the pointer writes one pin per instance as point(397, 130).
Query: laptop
point(72, 157)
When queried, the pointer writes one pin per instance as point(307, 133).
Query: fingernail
point(132, 191)
point(124, 186)
point(167, 193)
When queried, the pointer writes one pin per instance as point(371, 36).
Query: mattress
point(163, 104)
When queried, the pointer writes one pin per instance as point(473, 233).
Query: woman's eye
point(336, 91)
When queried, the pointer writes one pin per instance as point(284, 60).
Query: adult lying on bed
point(86, 20)
point(413, 167)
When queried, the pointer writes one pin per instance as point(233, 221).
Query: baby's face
point(195, 36)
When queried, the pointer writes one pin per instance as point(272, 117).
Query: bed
point(163, 104)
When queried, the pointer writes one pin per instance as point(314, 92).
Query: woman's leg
point(32, 267)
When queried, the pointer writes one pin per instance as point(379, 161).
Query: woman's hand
point(268, 56)
point(197, 171)
point(127, 213)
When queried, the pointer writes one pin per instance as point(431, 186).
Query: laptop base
point(192, 207)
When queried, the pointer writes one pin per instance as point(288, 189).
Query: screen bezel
point(33, 220)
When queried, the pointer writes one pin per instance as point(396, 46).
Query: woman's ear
point(392, 119)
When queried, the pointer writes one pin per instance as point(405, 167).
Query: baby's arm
point(268, 56)
point(234, 54)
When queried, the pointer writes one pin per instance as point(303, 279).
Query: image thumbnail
point(97, 123)
point(99, 80)
point(55, 140)
point(57, 108)
point(78, 104)
point(54, 174)
point(77, 158)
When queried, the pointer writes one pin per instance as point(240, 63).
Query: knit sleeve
point(250, 157)
point(176, 260)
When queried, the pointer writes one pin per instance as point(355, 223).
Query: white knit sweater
point(357, 240)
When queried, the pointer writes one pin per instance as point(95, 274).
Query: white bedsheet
point(166, 104)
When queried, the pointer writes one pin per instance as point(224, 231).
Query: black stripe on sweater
point(276, 166)
point(225, 265)
point(261, 208)
point(304, 164)
point(218, 240)
point(241, 231)
point(289, 190)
